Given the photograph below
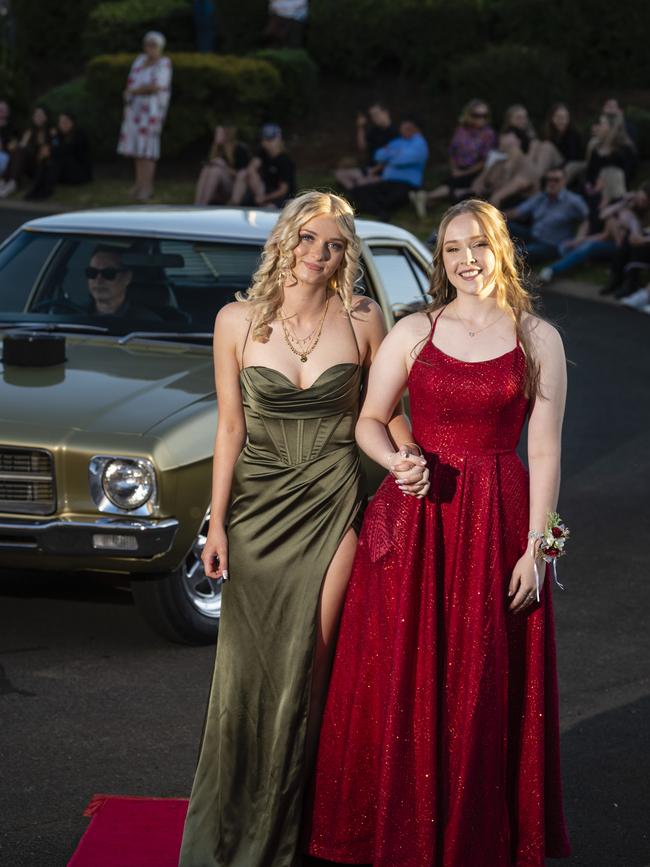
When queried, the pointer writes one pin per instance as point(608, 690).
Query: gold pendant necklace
point(303, 352)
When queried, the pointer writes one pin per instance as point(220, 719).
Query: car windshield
point(121, 285)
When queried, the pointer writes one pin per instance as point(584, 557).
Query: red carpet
point(131, 832)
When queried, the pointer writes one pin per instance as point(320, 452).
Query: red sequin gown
point(440, 744)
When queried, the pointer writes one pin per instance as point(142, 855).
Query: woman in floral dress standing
point(146, 100)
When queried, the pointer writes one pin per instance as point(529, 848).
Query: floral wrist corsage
point(551, 545)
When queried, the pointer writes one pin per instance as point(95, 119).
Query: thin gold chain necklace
point(303, 352)
point(477, 330)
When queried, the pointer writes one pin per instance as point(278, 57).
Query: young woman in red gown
point(440, 745)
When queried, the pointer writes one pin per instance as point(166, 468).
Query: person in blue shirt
point(402, 163)
point(546, 221)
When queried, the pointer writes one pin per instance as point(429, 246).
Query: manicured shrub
point(347, 38)
point(120, 26)
point(506, 74)
point(48, 40)
point(299, 76)
point(70, 97)
point(414, 37)
point(241, 24)
point(601, 40)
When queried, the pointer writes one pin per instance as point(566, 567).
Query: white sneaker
point(638, 300)
point(7, 188)
point(546, 274)
point(645, 309)
point(419, 201)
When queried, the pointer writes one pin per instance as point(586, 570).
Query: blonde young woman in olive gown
point(290, 360)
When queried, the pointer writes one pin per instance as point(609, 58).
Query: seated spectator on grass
point(270, 177)
point(508, 176)
point(614, 111)
point(402, 164)
point(609, 188)
point(610, 145)
point(68, 161)
point(374, 130)
point(471, 142)
point(561, 132)
point(543, 223)
point(8, 142)
point(31, 149)
point(543, 154)
point(630, 263)
point(566, 139)
point(517, 120)
point(618, 220)
point(217, 178)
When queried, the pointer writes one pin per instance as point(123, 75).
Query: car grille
point(27, 481)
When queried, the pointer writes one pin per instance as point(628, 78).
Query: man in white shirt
point(287, 20)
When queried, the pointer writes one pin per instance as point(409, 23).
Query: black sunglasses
point(483, 114)
point(105, 273)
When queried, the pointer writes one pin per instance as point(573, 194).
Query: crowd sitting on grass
point(43, 155)
point(567, 200)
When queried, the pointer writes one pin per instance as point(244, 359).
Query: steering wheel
point(57, 305)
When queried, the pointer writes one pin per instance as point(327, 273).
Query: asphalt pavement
point(92, 701)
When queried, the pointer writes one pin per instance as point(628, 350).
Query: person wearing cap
point(146, 99)
point(269, 180)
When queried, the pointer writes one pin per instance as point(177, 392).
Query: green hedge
point(206, 88)
point(299, 75)
point(602, 40)
point(241, 24)
point(415, 37)
point(70, 97)
point(507, 74)
point(120, 25)
point(48, 40)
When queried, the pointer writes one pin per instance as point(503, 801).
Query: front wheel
point(183, 606)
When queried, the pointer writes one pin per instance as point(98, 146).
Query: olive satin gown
point(297, 490)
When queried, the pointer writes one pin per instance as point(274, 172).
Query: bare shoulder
point(234, 315)
point(232, 324)
point(545, 339)
point(416, 325)
point(364, 310)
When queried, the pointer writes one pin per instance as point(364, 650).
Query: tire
point(183, 606)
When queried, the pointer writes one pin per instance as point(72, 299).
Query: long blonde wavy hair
point(266, 293)
point(511, 295)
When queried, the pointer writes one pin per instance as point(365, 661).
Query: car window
point(21, 261)
point(404, 278)
point(124, 284)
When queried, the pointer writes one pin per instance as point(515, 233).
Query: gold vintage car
point(107, 402)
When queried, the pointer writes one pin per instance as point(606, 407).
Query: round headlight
point(128, 484)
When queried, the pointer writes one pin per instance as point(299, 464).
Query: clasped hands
point(410, 471)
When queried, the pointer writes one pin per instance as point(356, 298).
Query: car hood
point(107, 387)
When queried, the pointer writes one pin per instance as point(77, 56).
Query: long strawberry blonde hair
point(266, 293)
point(511, 295)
